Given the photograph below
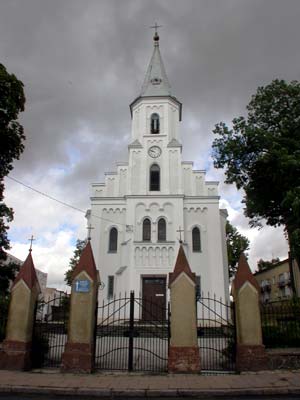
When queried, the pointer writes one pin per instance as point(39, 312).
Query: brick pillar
point(79, 350)
point(251, 355)
point(184, 351)
point(16, 349)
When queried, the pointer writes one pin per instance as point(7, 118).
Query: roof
point(27, 273)
point(156, 82)
point(86, 263)
point(244, 274)
point(181, 265)
point(278, 264)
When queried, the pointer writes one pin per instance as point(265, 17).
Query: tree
point(80, 245)
point(236, 244)
point(263, 264)
point(12, 102)
point(7, 274)
point(261, 155)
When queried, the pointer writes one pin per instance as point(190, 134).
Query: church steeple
point(156, 81)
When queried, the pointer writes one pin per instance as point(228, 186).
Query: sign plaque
point(82, 286)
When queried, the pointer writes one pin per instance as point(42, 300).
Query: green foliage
point(281, 324)
point(286, 334)
point(261, 155)
point(230, 350)
point(7, 275)
point(12, 101)
point(80, 245)
point(4, 304)
point(40, 349)
point(236, 244)
point(263, 264)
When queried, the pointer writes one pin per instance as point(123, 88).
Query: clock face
point(154, 151)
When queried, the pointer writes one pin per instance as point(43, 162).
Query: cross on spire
point(180, 230)
point(155, 26)
point(89, 228)
point(31, 240)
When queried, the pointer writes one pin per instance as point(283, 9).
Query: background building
point(275, 281)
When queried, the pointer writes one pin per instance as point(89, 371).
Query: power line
point(62, 202)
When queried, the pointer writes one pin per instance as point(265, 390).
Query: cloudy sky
point(83, 62)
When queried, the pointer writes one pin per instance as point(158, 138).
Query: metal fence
point(132, 334)
point(50, 332)
point(216, 335)
point(281, 323)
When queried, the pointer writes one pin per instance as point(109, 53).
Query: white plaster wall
point(185, 200)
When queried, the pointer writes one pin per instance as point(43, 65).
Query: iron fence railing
point(216, 335)
point(50, 332)
point(281, 323)
point(132, 334)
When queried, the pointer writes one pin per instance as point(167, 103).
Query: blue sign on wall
point(82, 286)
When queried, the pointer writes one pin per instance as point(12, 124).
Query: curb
point(144, 393)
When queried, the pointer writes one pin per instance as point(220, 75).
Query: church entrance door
point(154, 298)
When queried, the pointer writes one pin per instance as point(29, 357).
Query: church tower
point(154, 201)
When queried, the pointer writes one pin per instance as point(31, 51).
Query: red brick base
point(184, 359)
point(78, 357)
point(251, 358)
point(15, 355)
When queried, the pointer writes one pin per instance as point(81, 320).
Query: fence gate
point(50, 332)
point(132, 334)
point(216, 335)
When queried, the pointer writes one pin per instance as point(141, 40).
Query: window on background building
point(196, 239)
point(113, 240)
point(162, 230)
point(110, 286)
point(154, 178)
point(154, 123)
point(147, 229)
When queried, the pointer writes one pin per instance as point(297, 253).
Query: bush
point(282, 335)
point(4, 304)
point(40, 348)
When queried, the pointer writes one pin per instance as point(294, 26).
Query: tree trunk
point(292, 255)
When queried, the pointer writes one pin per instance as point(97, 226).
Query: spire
point(182, 265)
point(27, 273)
point(244, 274)
point(86, 263)
point(156, 82)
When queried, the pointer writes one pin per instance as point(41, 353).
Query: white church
point(154, 201)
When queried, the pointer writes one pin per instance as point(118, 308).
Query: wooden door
point(154, 299)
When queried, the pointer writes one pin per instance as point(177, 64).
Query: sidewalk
point(141, 385)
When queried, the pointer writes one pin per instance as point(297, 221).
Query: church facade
point(155, 201)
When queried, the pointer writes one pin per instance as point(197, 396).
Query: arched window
point(196, 238)
point(154, 178)
point(161, 230)
point(147, 229)
point(113, 240)
point(154, 123)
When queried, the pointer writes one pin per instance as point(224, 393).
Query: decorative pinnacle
point(31, 240)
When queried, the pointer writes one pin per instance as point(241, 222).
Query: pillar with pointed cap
point(79, 350)
point(251, 354)
point(184, 351)
point(16, 349)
